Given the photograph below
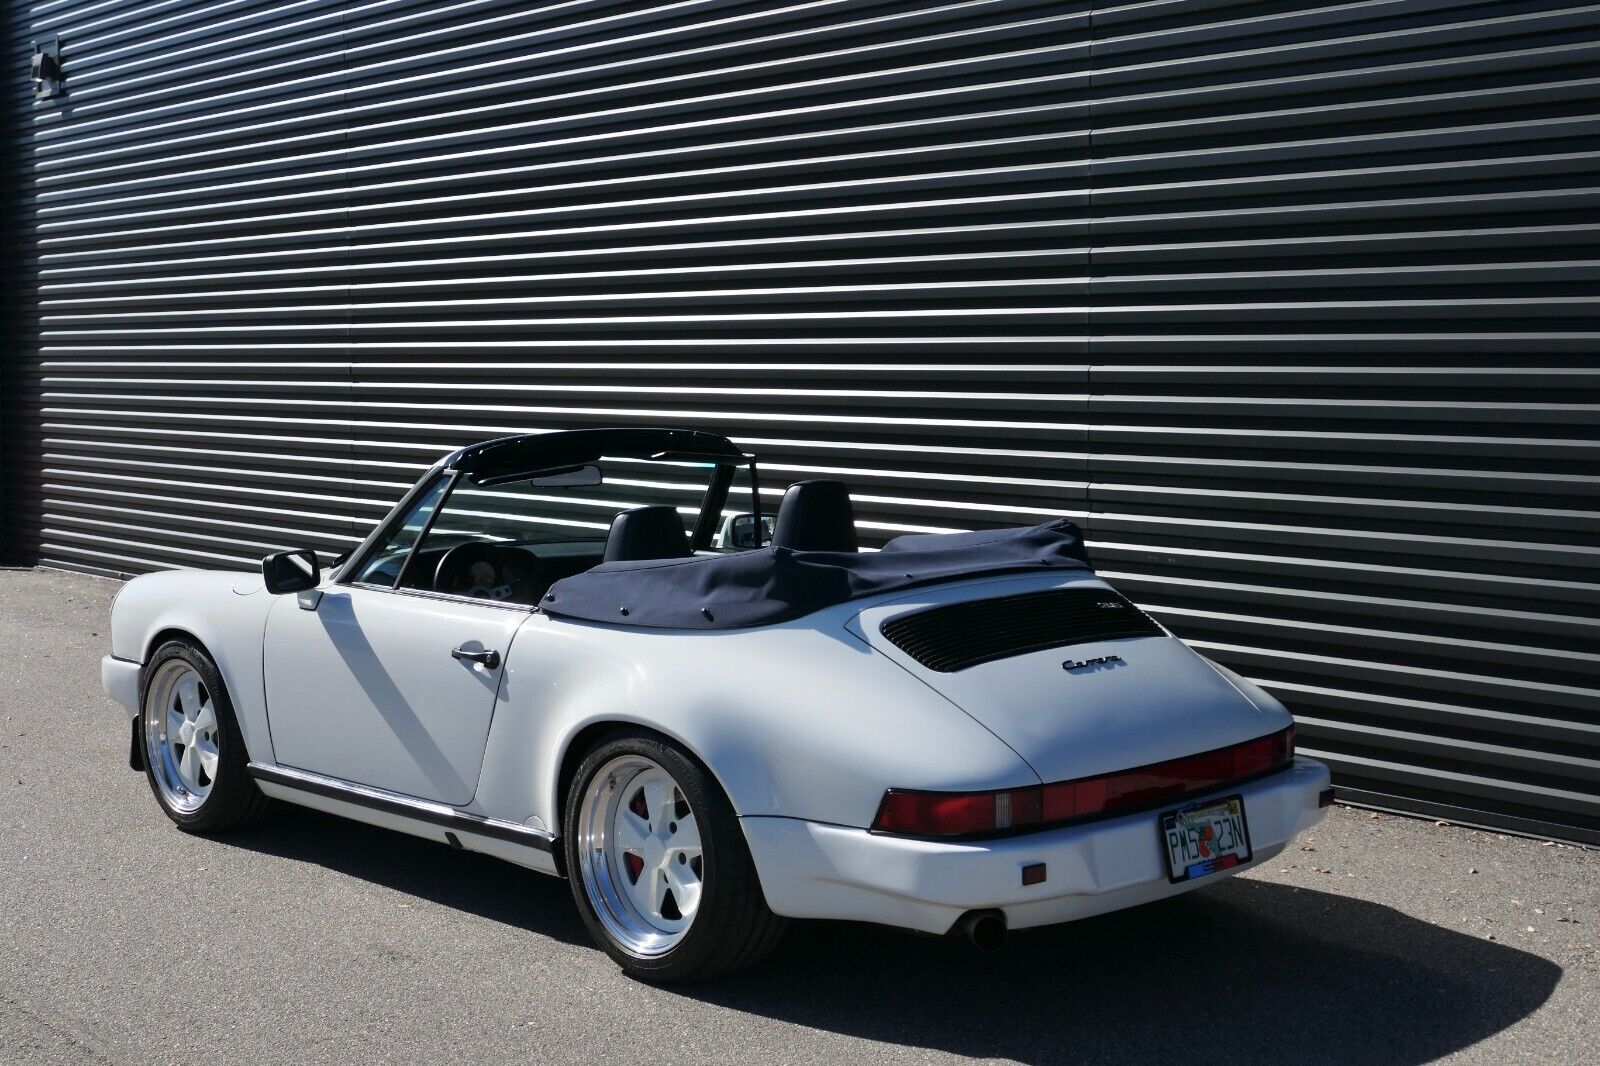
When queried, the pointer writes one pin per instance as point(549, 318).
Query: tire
point(197, 764)
point(634, 779)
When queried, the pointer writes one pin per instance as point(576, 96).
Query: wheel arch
point(584, 739)
point(171, 633)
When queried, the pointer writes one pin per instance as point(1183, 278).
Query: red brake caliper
point(635, 863)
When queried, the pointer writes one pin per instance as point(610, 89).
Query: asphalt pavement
point(1377, 940)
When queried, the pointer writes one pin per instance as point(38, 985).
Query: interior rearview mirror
point(573, 477)
point(292, 571)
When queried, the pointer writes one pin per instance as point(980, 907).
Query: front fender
point(226, 612)
point(799, 720)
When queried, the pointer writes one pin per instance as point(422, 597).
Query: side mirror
point(742, 532)
point(294, 571)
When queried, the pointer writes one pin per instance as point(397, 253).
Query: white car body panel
point(803, 723)
point(1093, 720)
point(121, 679)
point(799, 719)
point(225, 612)
point(364, 688)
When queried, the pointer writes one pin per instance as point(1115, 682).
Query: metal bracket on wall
point(47, 79)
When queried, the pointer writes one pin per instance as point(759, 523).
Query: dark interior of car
point(507, 571)
point(814, 516)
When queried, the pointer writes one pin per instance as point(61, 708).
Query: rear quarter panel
point(800, 720)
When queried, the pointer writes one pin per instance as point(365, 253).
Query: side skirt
point(516, 843)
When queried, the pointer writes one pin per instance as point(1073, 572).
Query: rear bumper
point(814, 870)
point(120, 679)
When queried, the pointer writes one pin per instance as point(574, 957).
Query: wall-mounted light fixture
point(47, 67)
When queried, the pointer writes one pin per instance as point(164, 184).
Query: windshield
point(542, 511)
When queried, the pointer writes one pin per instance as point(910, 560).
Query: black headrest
point(647, 533)
point(815, 516)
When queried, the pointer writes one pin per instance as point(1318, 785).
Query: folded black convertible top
point(771, 585)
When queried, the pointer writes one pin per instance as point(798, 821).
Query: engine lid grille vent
point(960, 635)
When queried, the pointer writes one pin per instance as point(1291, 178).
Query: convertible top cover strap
point(772, 585)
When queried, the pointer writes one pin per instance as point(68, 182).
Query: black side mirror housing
point(292, 571)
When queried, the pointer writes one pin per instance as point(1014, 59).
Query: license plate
point(1205, 838)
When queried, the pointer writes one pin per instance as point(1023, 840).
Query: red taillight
point(948, 814)
point(942, 814)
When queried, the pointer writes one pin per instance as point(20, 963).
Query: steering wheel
point(486, 572)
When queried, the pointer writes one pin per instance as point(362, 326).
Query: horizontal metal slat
point(1291, 306)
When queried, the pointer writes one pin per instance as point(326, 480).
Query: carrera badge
point(1073, 666)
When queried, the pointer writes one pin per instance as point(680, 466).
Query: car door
point(386, 688)
point(385, 683)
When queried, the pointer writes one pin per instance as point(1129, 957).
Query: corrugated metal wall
point(1292, 306)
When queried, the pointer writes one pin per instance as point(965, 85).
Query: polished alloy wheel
point(180, 732)
point(641, 859)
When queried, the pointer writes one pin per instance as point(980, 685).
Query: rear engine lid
point(1068, 673)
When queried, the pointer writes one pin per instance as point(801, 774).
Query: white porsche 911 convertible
point(711, 723)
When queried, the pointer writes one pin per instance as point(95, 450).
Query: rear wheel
point(659, 865)
point(194, 754)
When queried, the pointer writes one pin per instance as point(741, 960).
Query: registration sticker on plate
point(1205, 838)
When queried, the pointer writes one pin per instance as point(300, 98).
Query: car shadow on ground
point(1243, 971)
point(462, 880)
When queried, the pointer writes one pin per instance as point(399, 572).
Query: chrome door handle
point(491, 659)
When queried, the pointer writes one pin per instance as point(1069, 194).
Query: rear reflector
point(953, 814)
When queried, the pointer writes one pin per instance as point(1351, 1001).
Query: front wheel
point(659, 866)
point(194, 754)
